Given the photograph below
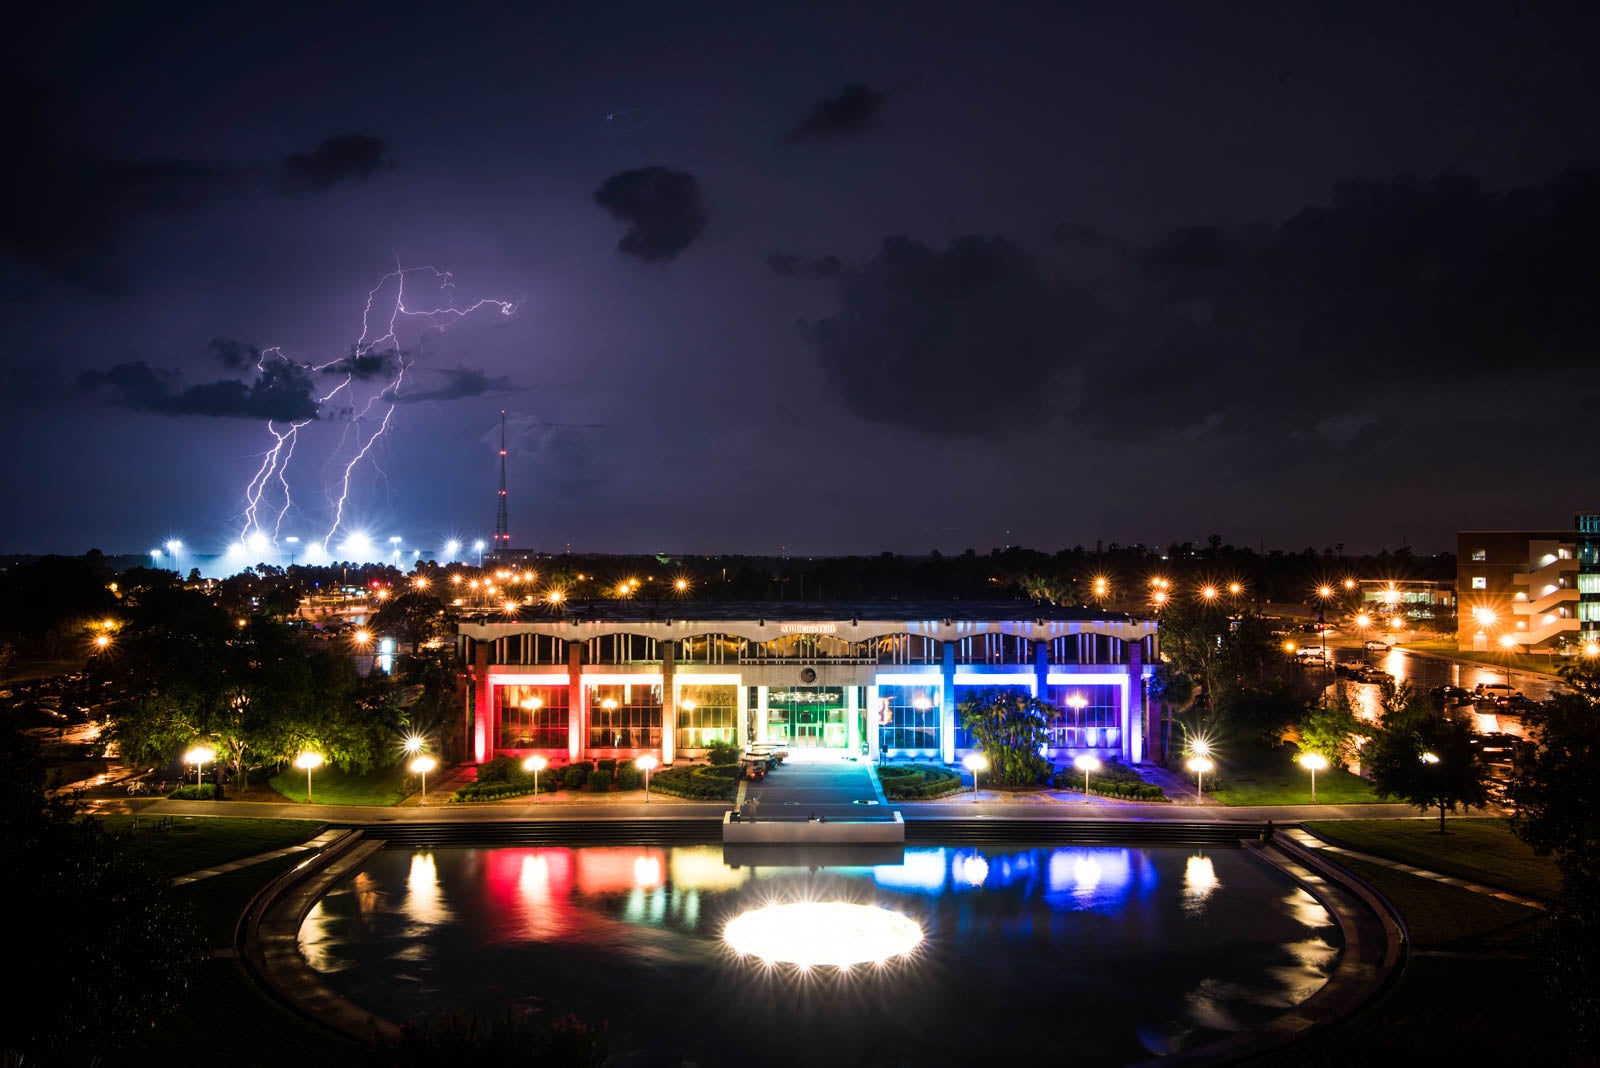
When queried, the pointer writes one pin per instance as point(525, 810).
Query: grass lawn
point(330, 786)
point(1546, 665)
point(1249, 773)
point(195, 842)
point(1482, 850)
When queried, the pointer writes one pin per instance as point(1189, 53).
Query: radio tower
point(502, 520)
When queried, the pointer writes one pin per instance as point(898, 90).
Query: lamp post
point(308, 760)
point(1313, 762)
point(535, 764)
point(1200, 765)
point(294, 543)
point(975, 762)
point(478, 548)
point(645, 764)
point(1086, 764)
point(421, 766)
point(199, 756)
point(1508, 642)
point(1324, 592)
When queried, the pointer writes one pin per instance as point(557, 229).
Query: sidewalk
point(1308, 840)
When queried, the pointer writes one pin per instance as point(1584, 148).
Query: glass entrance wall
point(706, 714)
point(625, 716)
point(808, 717)
point(908, 717)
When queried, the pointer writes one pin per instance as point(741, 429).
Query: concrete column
point(873, 732)
point(1136, 718)
point(1041, 672)
point(577, 704)
point(761, 714)
point(479, 746)
point(669, 703)
point(947, 705)
point(852, 717)
point(741, 729)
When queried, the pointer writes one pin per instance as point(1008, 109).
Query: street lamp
point(975, 763)
point(646, 764)
point(1200, 765)
point(1086, 764)
point(1324, 591)
point(1313, 762)
point(199, 756)
point(421, 766)
point(478, 546)
point(1429, 758)
point(535, 764)
point(155, 558)
point(308, 760)
point(293, 544)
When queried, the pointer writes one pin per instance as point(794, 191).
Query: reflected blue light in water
point(924, 870)
point(1092, 876)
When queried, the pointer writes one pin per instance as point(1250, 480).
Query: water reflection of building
point(882, 679)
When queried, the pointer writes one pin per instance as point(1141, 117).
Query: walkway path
point(837, 789)
point(311, 845)
point(1310, 841)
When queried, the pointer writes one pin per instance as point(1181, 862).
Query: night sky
point(849, 279)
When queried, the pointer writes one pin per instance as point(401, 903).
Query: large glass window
point(707, 714)
point(1085, 716)
point(625, 716)
point(533, 717)
point(908, 717)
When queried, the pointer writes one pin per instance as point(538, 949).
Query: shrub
point(599, 781)
point(629, 777)
point(206, 791)
point(500, 769)
point(606, 766)
point(721, 753)
point(575, 776)
point(698, 783)
point(495, 791)
point(1112, 780)
point(906, 783)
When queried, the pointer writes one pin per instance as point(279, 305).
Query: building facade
point(1518, 583)
point(1588, 553)
point(620, 679)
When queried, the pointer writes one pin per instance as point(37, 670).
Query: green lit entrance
point(808, 717)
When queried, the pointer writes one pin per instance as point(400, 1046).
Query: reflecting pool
point(1089, 955)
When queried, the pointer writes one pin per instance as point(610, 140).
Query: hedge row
point(903, 782)
point(1132, 789)
point(698, 782)
point(496, 791)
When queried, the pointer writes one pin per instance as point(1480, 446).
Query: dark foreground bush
point(906, 782)
point(505, 1041)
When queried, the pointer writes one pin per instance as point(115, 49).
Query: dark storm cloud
point(234, 355)
point(363, 365)
point(1410, 287)
point(791, 265)
point(70, 202)
point(457, 383)
point(853, 111)
point(282, 392)
point(1073, 233)
point(661, 206)
point(963, 342)
point(346, 158)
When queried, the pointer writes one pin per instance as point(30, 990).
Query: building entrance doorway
point(808, 717)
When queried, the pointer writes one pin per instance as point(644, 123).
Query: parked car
point(1372, 674)
point(1373, 645)
point(1347, 670)
point(1515, 702)
point(1450, 695)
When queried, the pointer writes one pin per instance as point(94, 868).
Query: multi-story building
point(1588, 546)
point(621, 678)
point(1517, 583)
point(1418, 598)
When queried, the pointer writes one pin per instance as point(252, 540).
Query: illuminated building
point(622, 678)
point(1522, 583)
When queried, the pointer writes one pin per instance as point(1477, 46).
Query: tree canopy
point(1429, 762)
point(1010, 728)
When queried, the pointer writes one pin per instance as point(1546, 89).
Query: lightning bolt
point(384, 319)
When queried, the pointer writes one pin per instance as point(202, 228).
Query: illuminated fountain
point(813, 933)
